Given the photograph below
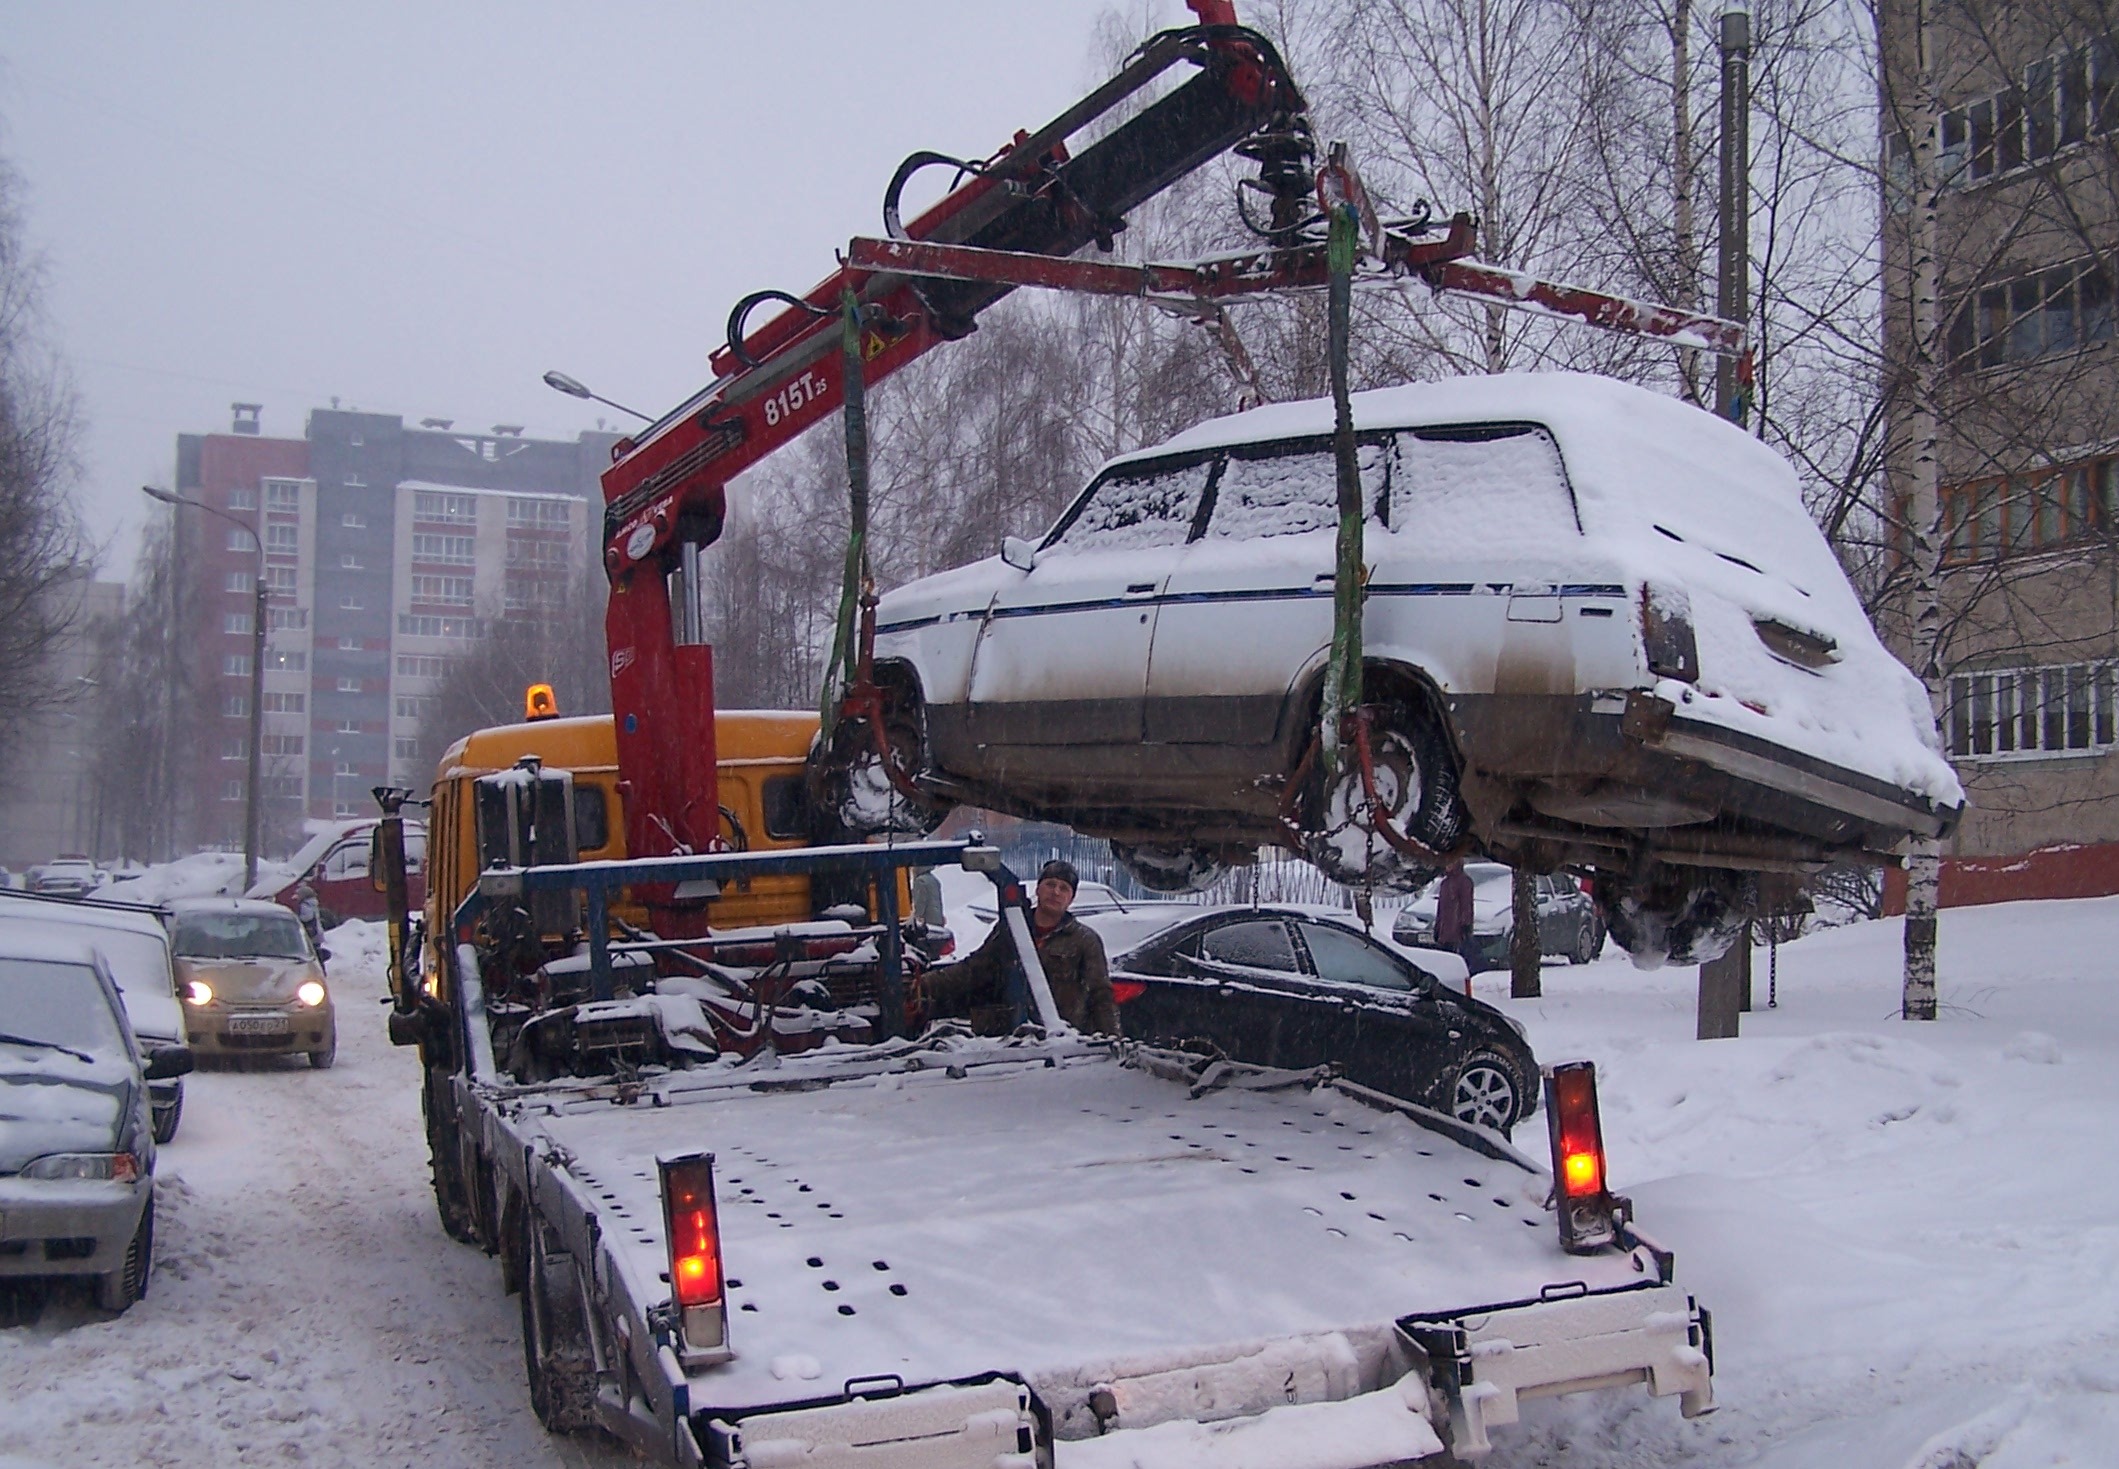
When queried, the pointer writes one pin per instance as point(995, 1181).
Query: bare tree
point(41, 544)
point(562, 645)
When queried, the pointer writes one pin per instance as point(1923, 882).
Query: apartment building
point(387, 548)
point(2028, 253)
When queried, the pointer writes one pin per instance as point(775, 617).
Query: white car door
point(1250, 604)
point(1063, 656)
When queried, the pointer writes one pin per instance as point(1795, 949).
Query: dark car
point(77, 1147)
point(1296, 987)
point(1569, 924)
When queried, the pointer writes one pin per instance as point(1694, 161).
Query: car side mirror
point(1018, 552)
point(165, 1062)
point(323, 953)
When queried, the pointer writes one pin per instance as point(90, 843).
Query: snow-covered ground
point(1909, 1235)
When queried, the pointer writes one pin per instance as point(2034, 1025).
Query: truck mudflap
point(880, 1425)
point(1486, 1362)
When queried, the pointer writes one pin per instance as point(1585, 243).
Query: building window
point(280, 579)
point(525, 510)
point(235, 665)
point(412, 708)
point(236, 622)
point(283, 494)
point(285, 787)
point(352, 521)
point(235, 706)
point(449, 550)
point(236, 749)
point(349, 726)
point(286, 703)
point(349, 686)
point(239, 581)
point(2032, 713)
point(349, 604)
point(349, 645)
point(281, 619)
point(525, 593)
point(415, 665)
point(2064, 100)
point(419, 625)
point(343, 810)
point(286, 539)
point(453, 509)
point(405, 749)
point(238, 539)
point(278, 661)
point(355, 482)
point(525, 552)
point(243, 498)
point(2025, 514)
point(350, 563)
point(345, 767)
point(449, 591)
point(232, 791)
point(2042, 314)
point(281, 744)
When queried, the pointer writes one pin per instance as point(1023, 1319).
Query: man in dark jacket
point(1453, 912)
point(1072, 956)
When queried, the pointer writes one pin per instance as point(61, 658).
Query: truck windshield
point(239, 936)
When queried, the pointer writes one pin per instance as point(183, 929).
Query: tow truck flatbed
point(1084, 1219)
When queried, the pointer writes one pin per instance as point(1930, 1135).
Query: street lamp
point(252, 815)
point(573, 388)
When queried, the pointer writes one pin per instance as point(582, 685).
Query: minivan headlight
point(199, 992)
point(311, 993)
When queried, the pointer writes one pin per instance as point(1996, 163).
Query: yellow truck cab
point(762, 804)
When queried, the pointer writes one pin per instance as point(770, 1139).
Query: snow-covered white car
point(1600, 632)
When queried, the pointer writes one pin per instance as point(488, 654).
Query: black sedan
point(1296, 987)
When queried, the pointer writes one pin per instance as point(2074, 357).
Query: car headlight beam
point(311, 993)
point(199, 992)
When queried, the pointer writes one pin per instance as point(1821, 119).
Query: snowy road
point(1909, 1235)
point(306, 1307)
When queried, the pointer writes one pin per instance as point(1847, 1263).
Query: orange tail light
point(692, 1225)
point(1580, 1185)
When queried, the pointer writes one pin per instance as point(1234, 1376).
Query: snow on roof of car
point(183, 906)
point(32, 943)
point(1680, 501)
point(88, 912)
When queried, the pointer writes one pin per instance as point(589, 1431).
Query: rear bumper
point(71, 1228)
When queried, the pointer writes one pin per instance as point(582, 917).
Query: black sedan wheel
point(1487, 1092)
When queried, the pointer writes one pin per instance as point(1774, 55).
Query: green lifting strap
point(845, 645)
point(1342, 684)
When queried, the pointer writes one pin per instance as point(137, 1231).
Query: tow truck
point(837, 1241)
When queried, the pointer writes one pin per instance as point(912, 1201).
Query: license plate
point(257, 1025)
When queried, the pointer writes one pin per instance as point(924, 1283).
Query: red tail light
point(1580, 1185)
point(1126, 990)
point(692, 1225)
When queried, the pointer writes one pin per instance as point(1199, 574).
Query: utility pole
point(1733, 292)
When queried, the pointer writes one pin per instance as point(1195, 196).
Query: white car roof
point(18, 943)
point(89, 914)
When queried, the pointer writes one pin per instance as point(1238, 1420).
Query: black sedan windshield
point(239, 936)
point(50, 1002)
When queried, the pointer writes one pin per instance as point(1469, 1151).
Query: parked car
point(77, 1149)
point(135, 946)
point(1568, 922)
point(67, 876)
point(1298, 987)
point(335, 863)
point(250, 980)
point(1601, 634)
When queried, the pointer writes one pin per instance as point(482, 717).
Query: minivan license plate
point(257, 1024)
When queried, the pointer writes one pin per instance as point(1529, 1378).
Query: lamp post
point(252, 812)
point(559, 382)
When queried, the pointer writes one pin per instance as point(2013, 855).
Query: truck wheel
point(854, 787)
point(557, 1360)
point(1486, 1092)
point(1686, 916)
point(128, 1283)
point(1170, 869)
point(167, 1118)
point(451, 1199)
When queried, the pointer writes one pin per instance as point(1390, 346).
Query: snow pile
point(201, 875)
point(1905, 1232)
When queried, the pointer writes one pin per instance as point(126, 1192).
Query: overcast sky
point(418, 208)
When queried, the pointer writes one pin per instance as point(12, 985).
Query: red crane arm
point(663, 493)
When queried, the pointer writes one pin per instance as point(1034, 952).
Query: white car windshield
point(50, 1002)
point(239, 936)
point(138, 961)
